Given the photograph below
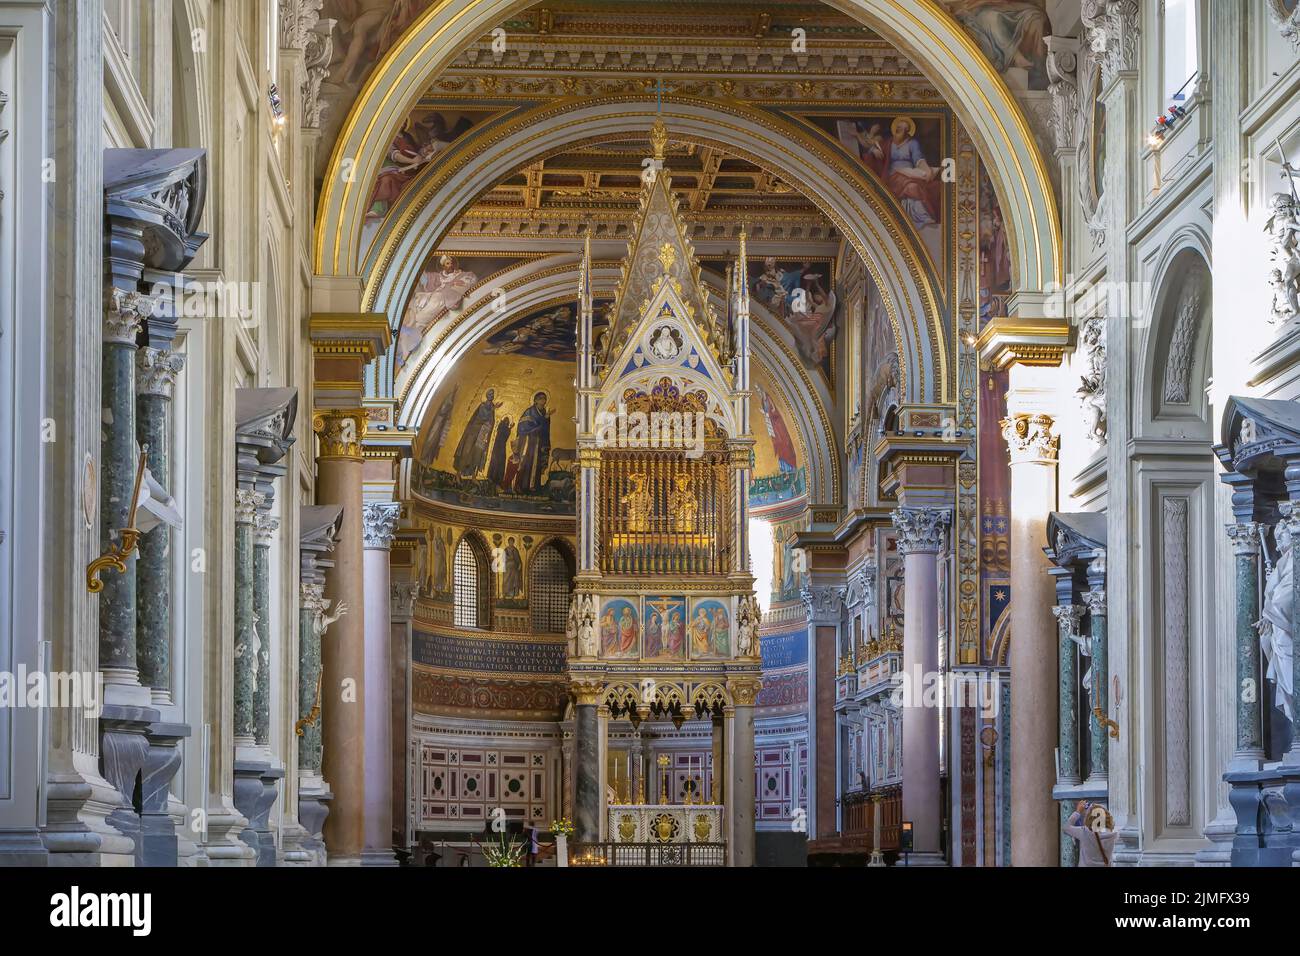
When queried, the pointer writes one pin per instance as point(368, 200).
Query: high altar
point(664, 621)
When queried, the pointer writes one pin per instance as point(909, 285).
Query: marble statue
point(1092, 380)
point(1284, 257)
point(1274, 625)
point(325, 619)
point(571, 624)
point(747, 626)
point(587, 626)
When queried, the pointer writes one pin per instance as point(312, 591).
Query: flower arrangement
point(504, 852)
point(562, 827)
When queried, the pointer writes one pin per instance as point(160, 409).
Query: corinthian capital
point(156, 371)
point(1068, 617)
point(247, 504)
point(379, 523)
point(123, 312)
point(921, 530)
point(1113, 29)
point(340, 431)
point(824, 603)
point(1030, 439)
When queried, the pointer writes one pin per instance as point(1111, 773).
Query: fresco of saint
point(1010, 33)
point(419, 140)
point(513, 579)
point(782, 443)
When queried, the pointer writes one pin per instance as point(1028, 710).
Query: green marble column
point(1067, 618)
point(1100, 753)
point(123, 313)
point(264, 527)
point(1245, 545)
point(246, 504)
point(311, 607)
point(1291, 520)
point(155, 380)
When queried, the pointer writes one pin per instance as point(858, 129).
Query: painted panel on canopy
point(664, 634)
point(709, 630)
point(493, 439)
point(619, 628)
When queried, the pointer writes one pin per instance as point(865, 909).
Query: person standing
point(1093, 827)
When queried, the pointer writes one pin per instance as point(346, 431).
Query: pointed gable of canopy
point(659, 255)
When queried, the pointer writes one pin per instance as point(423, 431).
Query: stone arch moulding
point(922, 29)
point(850, 197)
point(552, 279)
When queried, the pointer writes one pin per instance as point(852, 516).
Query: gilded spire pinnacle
point(659, 138)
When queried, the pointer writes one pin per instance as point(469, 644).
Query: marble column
point(921, 539)
point(1250, 736)
point(156, 371)
point(1095, 599)
point(824, 607)
point(739, 758)
point(264, 528)
point(247, 503)
point(1068, 617)
point(587, 798)
point(379, 524)
point(317, 527)
point(1069, 775)
point(123, 313)
point(1035, 818)
point(343, 661)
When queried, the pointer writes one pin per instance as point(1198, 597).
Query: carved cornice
point(1030, 438)
point(1063, 85)
point(1113, 29)
point(379, 523)
point(1007, 341)
point(921, 530)
point(156, 371)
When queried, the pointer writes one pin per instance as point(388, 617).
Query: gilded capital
point(744, 690)
point(586, 691)
point(340, 431)
point(1030, 438)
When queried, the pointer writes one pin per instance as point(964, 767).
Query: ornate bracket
point(116, 555)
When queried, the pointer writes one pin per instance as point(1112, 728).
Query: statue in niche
point(1274, 625)
point(682, 505)
point(639, 503)
point(586, 625)
point(1284, 257)
point(749, 615)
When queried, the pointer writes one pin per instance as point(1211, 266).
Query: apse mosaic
point(779, 473)
point(492, 439)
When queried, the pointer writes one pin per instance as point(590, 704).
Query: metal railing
point(647, 854)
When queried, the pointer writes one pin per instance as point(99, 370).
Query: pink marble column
point(379, 524)
point(1035, 819)
point(920, 542)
